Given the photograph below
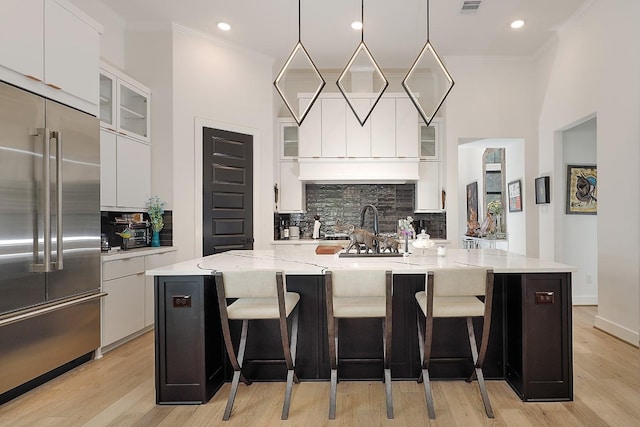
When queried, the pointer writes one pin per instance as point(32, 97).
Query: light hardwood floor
point(118, 390)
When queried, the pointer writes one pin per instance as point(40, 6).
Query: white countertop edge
point(294, 262)
point(137, 252)
point(339, 242)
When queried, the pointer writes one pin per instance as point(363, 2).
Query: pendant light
point(298, 61)
point(428, 82)
point(361, 76)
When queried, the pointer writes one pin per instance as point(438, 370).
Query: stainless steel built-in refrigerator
point(49, 236)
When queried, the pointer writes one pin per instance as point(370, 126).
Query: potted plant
point(155, 209)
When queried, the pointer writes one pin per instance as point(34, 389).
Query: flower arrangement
point(155, 209)
point(495, 207)
point(406, 227)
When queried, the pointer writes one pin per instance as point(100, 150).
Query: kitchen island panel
point(529, 344)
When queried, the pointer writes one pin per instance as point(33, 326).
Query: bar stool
point(453, 293)
point(261, 294)
point(358, 294)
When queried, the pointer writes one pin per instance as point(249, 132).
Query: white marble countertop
point(344, 243)
point(303, 260)
point(115, 254)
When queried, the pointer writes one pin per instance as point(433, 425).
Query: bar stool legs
point(236, 364)
point(379, 305)
point(425, 355)
point(333, 361)
point(456, 292)
point(386, 342)
point(478, 361)
point(290, 358)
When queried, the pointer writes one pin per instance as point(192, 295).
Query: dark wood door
point(227, 187)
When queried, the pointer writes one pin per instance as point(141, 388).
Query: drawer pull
point(54, 86)
point(34, 78)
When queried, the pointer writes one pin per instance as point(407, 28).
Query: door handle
point(57, 135)
point(45, 266)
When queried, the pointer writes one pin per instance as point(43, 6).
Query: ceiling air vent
point(470, 6)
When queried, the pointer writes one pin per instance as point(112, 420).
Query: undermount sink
point(368, 255)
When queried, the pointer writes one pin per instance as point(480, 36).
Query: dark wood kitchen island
point(530, 344)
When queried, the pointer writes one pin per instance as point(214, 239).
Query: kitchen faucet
point(363, 211)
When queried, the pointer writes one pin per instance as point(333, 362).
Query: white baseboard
point(618, 331)
point(585, 300)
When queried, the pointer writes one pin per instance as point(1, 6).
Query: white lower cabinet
point(129, 307)
point(123, 308)
point(151, 262)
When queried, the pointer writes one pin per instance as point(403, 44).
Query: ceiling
point(393, 30)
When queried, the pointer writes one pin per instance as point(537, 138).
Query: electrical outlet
point(181, 301)
point(544, 297)
point(589, 279)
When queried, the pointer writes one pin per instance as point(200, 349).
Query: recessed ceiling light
point(224, 26)
point(519, 23)
point(356, 25)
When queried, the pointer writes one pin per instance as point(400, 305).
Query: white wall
point(492, 98)
point(594, 70)
point(149, 56)
point(112, 40)
point(579, 233)
point(517, 221)
point(217, 82)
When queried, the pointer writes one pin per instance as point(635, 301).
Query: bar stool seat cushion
point(457, 306)
point(261, 308)
point(359, 307)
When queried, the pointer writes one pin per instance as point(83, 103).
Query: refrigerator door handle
point(45, 266)
point(57, 135)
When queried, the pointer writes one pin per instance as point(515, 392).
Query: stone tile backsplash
point(333, 202)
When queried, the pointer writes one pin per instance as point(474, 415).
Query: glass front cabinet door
point(288, 140)
point(108, 100)
point(133, 111)
point(429, 141)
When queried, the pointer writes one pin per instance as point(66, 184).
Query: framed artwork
point(515, 196)
point(542, 190)
point(472, 202)
point(582, 189)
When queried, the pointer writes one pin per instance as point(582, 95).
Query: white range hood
point(359, 170)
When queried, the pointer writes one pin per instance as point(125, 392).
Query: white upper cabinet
point(51, 48)
point(292, 190)
point(288, 139)
point(125, 104)
point(70, 44)
point(383, 128)
point(133, 173)
point(428, 188)
point(310, 144)
point(108, 100)
point(22, 31)
point(406, 129)
point(358, 137)
point(108, 168)
point(133, 110)
point(334, 132)
point(430, 141)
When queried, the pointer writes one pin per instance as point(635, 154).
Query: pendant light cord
point(427, 20)
point(362, 20)
point(299, 37)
